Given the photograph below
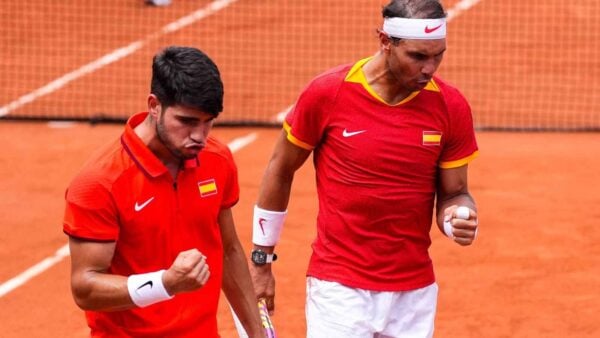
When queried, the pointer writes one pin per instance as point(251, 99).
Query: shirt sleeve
point(306, 121)
point(460, 144)
point(90, 211)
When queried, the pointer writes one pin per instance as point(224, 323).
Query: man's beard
point(163, 136)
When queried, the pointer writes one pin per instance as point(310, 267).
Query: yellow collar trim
point(356, 75)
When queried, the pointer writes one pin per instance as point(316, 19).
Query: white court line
point(452, 13)
point(241, 142)
point(460, 7)
point(13, 283)
point(33, 271)
point(116, 55)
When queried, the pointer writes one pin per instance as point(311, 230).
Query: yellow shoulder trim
point(293, 139)
point(459, 163)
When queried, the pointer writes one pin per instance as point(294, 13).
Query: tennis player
point(390, 141)
point(149, 217)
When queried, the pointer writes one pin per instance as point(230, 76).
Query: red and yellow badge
point(207, 188)
point(432, 138)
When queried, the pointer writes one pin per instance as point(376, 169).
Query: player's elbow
point(81, 296)
point(82, 302)
point(82, 291)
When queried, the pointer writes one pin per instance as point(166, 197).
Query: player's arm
point(453, 192)
point(287, 158)
point(95, 289)
point(274, 195)
point(237, 284)
point(92, 287)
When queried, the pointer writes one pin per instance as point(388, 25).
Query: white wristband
point(147, 288)
point(266, 226)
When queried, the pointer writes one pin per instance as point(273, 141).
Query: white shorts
point(336, 311)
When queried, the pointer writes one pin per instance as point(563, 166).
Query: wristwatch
point(260, 257)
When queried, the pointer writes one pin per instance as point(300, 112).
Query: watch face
point(259, 257)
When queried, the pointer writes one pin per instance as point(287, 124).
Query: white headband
point(419, 29)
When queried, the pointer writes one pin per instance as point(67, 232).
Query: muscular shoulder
point(452, 97)
point(217, 149)
point(96, 177)
point(321, 92)
point(331, 79)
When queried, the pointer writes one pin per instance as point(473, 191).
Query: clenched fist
point(188, 272)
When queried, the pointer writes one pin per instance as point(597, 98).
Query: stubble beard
point(164, 138)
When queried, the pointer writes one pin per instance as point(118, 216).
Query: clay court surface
point(533, 271)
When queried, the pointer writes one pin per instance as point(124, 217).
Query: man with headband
point(391, 146)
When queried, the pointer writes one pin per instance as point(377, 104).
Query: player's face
point(183, 131)
point(413, 62)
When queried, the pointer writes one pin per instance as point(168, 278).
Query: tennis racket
point(265, 319)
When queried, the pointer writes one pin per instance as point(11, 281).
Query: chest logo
point(432, 138)
point(139, 207)
point(207, 187)
point(347, 133)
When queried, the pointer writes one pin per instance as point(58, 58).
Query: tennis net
point(523, 65)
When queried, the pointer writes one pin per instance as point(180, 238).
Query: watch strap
point(271, 258)
point(260, 257)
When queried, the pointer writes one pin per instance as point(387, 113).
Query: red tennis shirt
point(376, 167)
point(125, 194)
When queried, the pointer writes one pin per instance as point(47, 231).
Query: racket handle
point(265, 320)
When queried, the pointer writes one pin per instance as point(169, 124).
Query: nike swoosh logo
point(147, 283)
point(431, 30)
point(139, 207)
point(346, 133)
point(260, 222)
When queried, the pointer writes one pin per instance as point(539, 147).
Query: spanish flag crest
point(207, 187)
point(432, 138)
